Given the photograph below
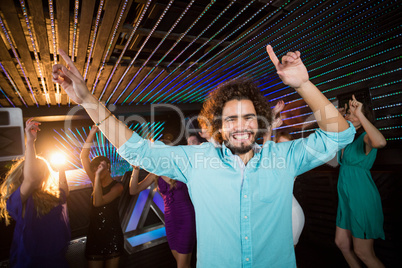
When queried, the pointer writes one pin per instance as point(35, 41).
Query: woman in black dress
point(105, 239)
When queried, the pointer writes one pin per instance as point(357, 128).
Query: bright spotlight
point(58, 159)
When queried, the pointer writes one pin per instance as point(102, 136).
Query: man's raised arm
point(74, 85)
point(294, 74)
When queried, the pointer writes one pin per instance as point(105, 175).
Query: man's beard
point(236, 150)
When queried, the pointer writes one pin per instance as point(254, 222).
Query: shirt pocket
point(269, 187)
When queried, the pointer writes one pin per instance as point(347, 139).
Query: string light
point(387, 106)
point(76, 7)
point(287, 41)
point(143, 45)
point(209, 51)
point(389, 117)
point(13, 84)
point(52, 27)
point(91, 47)
point(389, 128)
point(110, 46)
point(7, 97)
point(193, 41)
point(20, 65)
point(123, 51)
point(394, 139)
point(153, 52)
point(315, 50)
point(24, 10)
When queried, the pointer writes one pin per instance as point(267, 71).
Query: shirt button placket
point(245, 224)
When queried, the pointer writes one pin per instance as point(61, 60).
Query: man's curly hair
point(239, 89)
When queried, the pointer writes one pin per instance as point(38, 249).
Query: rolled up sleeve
point(320, 147)
point(156, 157)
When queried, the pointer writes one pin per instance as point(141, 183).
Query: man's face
point(239, 125)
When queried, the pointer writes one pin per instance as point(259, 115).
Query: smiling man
point(242, 193)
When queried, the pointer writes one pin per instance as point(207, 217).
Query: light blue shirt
point(243, 212)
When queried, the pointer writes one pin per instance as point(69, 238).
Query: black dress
point(105, 237)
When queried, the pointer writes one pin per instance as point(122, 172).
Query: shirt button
point(245, 196)
point(247, 259)
point(246, 237)
point(245, 217)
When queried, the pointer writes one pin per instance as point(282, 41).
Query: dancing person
point(282, 136)
point(179, 211)
point(242, 193)
point(37, 201)
point(297, 211)
point(105, 239)
point(359, 218)
point(179, 214)
point(194, 139)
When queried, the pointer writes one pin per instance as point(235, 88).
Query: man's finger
point(272, 55)
point(69, 62)
point(69, 74)
point(65, 57)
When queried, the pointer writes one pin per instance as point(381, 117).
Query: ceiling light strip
point(138, 52)
point(294, 41)
point(347, 27)
point(192, 42)
point(353, 53)
point(110, 45)
point(153, 52)
point(386, 84)
point(249, 55)
point(389, 117)
point(195, 62)
point(210, 50)
point(304, 131)
point(5, 95)
point(25, 12)
point(388, 106)
point(75, 39)
point(91, 47)
point(250, 47)
point(286, 42)
point(389, 128)
point(394, 139)
point(264, 53)
point(53, 28)
point(183, 50)
point(122, 53)
point(349, 55)
point(174, 45)
point(19, 64)
point(13, 85)
point(345, 85)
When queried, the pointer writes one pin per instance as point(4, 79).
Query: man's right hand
point(71, 80)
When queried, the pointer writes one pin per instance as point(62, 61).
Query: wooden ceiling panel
point(345, 46)
point(13, 21)
point(86, 20)
point(105, 30)
point(39, 24)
